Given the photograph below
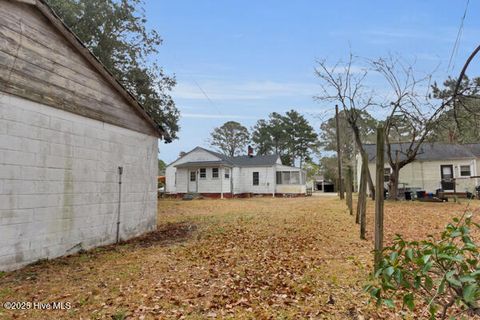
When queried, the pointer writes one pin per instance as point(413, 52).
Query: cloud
point(252, 90)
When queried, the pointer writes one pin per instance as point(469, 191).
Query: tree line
point(288, 135)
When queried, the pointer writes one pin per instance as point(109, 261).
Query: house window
point(256, 178)
point(193, 176)
point(386, 174)
point(279, 177)
point(227, 173)
point(295, 177)
point(203, 173)
point(214, 173)
point(465, 171)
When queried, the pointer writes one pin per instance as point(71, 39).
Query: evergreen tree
point(116, 33)
point(230, 139)
point(290, 136)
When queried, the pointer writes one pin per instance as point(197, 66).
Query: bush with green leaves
point(435, 277)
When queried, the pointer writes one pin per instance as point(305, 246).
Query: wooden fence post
point(379, 195)
point(362, 199)
point(339, 155)
point(348, 188)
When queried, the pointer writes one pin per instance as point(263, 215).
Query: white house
point(213, 174)
point(66, 127)
point(449, 167)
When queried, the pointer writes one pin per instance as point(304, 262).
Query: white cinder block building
point(213, 174)
point(66, 126)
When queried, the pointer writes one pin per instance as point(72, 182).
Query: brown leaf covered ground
point(255, 258)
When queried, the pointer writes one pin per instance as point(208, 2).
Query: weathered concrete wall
point(59, 182)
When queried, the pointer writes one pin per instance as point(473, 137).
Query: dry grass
point(239, 259)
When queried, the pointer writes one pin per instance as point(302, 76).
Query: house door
point(192, 181)
point(446, 173)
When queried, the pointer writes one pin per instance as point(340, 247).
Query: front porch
point(212, 178)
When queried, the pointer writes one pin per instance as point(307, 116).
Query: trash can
point(408, 195)
point(420, 194)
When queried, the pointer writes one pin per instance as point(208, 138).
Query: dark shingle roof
point(238, 161)
point(246, 161)
point(203, 164)
point(431, 151)
point(260, 160)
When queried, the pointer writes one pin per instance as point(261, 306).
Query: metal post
point(120, 172)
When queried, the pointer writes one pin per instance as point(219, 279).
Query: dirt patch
point(169, 233)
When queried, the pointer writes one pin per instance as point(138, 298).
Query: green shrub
point(444, 274)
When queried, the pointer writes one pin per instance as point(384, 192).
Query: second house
point(213, 174)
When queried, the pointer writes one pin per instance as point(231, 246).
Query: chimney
point(250, 151)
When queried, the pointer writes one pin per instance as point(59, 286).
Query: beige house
point(450, 167)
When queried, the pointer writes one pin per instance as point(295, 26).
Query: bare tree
point(343, 83)
point(412, 114)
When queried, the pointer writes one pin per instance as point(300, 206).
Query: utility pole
point(339, 155)
point(379, 196)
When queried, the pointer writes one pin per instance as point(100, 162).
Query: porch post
point(274, 181)
point(221, 177)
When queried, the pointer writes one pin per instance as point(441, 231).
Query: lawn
point(254, 258)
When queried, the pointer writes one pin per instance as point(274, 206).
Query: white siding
point(426, 174)
point(291, 188)
point(180, 184)
point(196, 154)
point(213, 185)
point(59, 182)
point(243, 180)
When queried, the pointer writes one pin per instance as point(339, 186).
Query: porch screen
point(288, 177)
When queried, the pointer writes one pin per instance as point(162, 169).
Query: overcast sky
point(241, 60)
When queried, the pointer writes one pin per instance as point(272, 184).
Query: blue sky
point(241, 60)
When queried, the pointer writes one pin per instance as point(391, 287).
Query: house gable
point(41, 60)
point(196, 155)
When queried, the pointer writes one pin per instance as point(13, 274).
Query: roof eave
point(93, 60)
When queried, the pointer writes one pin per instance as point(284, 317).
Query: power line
point(457, 40)
point(206, 96)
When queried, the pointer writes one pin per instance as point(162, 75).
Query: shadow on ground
point(165, 235)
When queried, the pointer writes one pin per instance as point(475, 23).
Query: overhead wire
point(456, 45)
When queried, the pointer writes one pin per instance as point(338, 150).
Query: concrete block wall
point(59, 182)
